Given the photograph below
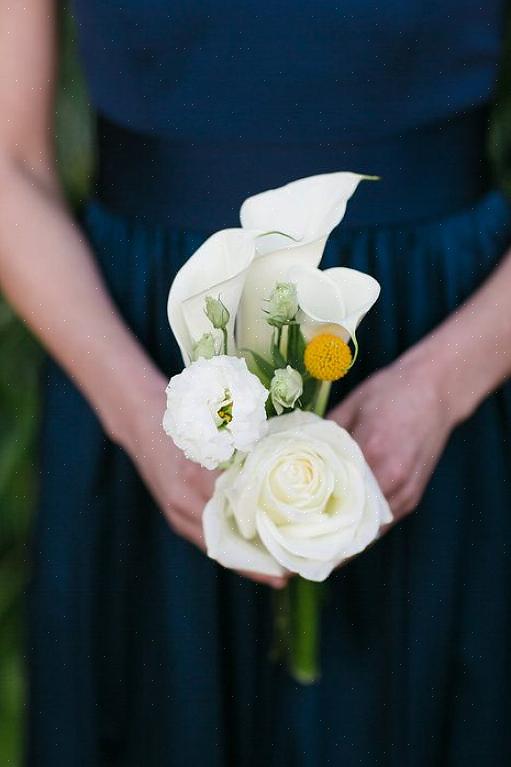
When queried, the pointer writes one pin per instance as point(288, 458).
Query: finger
point(388, 470)
point(274, 581)
point(403, 502)
point(201, 480)
point(206, 483)
point(190, 503)
point(346, 413)
point(187, 528)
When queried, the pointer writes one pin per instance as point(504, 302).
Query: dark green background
point(20, 363)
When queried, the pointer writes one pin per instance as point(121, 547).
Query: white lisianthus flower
point(214, 407)
point(303, 501)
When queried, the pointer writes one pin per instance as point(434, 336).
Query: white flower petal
point(228, 547)
point(306, 209)
point(194, 400)
point(311, 569)
point(335, 299)
point(360, 292)
point(217, 268)
point(252, 329)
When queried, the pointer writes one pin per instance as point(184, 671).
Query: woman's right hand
point(180, 487)
point(50, 276)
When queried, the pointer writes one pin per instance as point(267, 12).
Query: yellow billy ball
point(327, 357)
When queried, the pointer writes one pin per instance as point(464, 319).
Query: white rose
point(303, 500)
point(214, 407)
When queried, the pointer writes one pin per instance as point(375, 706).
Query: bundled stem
point(304, 655)
point(297, 612)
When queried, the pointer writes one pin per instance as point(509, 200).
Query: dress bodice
point(285, 71)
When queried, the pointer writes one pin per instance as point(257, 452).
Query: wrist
point(137, 399)
point(450, 374)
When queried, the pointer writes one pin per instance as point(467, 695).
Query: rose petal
point(307, 568)
point(225, 544)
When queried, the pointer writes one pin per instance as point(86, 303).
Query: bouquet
point(264, 333)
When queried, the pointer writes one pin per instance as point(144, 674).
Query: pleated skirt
point(144, 653)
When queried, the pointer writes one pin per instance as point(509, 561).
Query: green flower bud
point(217, 313)
point(285, 388)
point(207, 346)
point(282, 304)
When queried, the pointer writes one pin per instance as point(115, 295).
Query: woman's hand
point(180, 487)
point(401, 418)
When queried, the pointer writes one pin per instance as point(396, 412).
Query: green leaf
point(261, 367)
point(310, 388)
point(296, 347)
point(278, 358)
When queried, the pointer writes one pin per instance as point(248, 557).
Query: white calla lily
point(333, 300)
point(281, 229)
point(306, 209)
point(218, 269)
point(299, 218)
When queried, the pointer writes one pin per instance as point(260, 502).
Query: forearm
point(469, 354)
point(49, 276)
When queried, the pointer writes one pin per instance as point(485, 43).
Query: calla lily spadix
point(282, 238)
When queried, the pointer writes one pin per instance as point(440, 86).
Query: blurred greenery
point(19, 371)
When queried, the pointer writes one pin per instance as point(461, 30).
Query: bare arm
point(46, 269)
point(471, 350)
point(49, 275)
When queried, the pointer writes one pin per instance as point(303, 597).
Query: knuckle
point(412, 501)
point(172, 502)
point(395, 473)
point(408, 502)
point(374, 445)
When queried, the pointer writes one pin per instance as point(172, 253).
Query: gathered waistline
point(424, 174)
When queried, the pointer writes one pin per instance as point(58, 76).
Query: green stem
point(224, 333)
point(279, 337)
point(322, 396)
point(306, 600)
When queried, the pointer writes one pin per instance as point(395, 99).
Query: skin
point(48, 273)
point(402, 416)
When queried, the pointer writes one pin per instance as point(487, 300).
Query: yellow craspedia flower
point(327, 357)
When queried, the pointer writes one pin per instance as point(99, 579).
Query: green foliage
point(19, 369)
point(18, 423)
point(500, 129)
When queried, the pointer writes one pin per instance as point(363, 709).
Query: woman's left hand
point(401, 418)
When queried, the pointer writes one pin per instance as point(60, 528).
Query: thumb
point(205, 481)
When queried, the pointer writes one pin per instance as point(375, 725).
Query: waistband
point(199, 185)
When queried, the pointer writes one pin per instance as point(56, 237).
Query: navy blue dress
point(144, 653)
